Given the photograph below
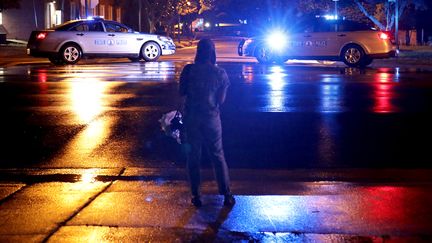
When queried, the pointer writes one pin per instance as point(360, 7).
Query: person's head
point(206, 52)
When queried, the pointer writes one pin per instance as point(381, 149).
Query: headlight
point(164, 38)
point(277, 40)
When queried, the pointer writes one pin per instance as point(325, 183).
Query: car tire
point(151, 51)
point(353, 55)
point(263, 54)
point(56, 60)
point(70, 53)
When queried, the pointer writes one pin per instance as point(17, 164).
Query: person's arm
point(184, 80)
point(225, 83)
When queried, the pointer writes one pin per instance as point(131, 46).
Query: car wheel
point(150, 51)
point(263, 54)
point(353, 55)
point(56, 60)
point(70, 54)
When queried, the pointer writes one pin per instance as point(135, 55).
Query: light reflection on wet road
point(285, 116)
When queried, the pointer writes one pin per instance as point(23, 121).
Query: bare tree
point(384, 13)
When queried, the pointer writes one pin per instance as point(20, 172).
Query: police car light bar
point(94, 17)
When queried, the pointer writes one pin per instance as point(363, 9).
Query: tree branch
point(371, 17)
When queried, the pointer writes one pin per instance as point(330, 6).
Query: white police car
point(96, 37)
point(321, 39)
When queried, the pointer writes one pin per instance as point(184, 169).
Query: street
point(287, 116)
point(327, 150)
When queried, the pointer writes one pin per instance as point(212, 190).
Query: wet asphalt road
point(288, 116)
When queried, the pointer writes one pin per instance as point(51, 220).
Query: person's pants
point(206, 133)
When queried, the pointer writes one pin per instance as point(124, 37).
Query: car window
point(65, 26)
point(319, 26)
point(88, 26)
point(352, 26)
point(80, 27)
point(325, 26)
point(112, 27)
point(96, 26)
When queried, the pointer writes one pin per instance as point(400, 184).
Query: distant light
point(227, 24)
point(207, 25)
point(1, 18)
point(330, 17)
point(58, 17)
point(243, 21)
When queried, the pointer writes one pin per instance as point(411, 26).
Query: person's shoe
point(229, 200)
point(196, 201)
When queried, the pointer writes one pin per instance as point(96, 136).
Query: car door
point(90, 36)
point(322, 41)
point(296, 41)
point(121, 40)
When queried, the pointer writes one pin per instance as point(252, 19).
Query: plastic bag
point(171, 124)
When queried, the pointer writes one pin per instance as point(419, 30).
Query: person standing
point(203, 86)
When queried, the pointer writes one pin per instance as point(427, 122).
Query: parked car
point(321, 39)
point(96, 37)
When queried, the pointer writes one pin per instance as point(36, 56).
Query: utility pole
point(397, 23)
point(396, 13)
point(86, 8)
point(139, 15)
point(178, 21)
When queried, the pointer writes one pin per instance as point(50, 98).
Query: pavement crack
point(89, 201)
point(12, 194)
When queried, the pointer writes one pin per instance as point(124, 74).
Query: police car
point(321, 39)
point(96, 37)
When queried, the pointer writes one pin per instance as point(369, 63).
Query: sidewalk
point(143, 205)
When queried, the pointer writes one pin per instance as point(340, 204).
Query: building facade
point(44, 14)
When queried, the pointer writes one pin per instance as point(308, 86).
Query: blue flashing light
point(277, 39)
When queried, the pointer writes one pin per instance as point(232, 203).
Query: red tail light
point(41, 36)
point(384, 36)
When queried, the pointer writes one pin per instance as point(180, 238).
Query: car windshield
point(65, 25)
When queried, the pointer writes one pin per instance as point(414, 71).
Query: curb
point(359, 175)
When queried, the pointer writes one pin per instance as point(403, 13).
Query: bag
point(172, 124)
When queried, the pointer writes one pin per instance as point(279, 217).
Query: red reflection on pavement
point(42, 76)
point(248, 74)
point(383, 94)
point(390, 206)
point(42, 99)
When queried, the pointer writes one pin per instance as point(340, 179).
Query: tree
point(384, 15)
point(206, 5)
